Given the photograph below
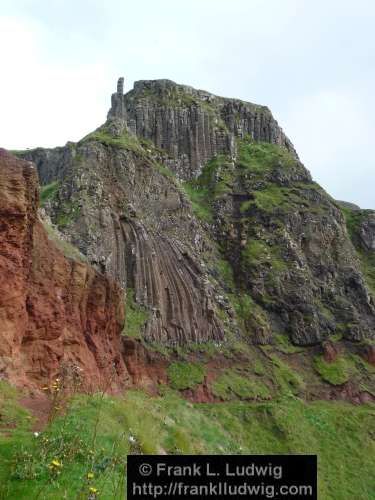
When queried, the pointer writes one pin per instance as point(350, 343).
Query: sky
point(310, 62)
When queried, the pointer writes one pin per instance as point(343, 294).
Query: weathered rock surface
point(348, 204)
point(192, 125)
point(127, 214)
point(288, 245)
point(367, 232)
point(56, 314)
point(254, 206)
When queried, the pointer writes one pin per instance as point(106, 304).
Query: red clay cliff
point(55, 313)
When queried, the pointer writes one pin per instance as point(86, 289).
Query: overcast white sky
point(311, 62)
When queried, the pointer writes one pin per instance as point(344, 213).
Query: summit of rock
point(193, 125)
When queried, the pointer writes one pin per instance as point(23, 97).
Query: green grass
point(353, 219)
point(258, 367)
point(136, 316)
point(93, 435)
point(199, 198)
point(336, 372)
point(69, 211)
point(257, 253)
point(368, 267)
point(248, 312)
point(12, 414)
point(124, 141)
point(184, 375)
point(177, 97)
point(70, 251)
point(287, 380)
point(268, 199)
point(165, 171)
point(216, 177)
point(261, 157)
point(226, 272)
point(48, 192)
point(284, 345)
point(214, 182)
point(233, 385)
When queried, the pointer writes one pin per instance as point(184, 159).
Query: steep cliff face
point(127, 214)
point(367, 232)
point(56, 314)
point(247, 244)
point(287, 242)
point(192, 125)
point(361, 228)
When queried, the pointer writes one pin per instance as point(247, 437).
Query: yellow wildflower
point(56, 463)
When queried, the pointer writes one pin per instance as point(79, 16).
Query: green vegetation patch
point(69, 250)
point(268, 199)
point(69, 211)
point(232, 385)
point(12, 414)
point(91, 440)
point(257, 253)
point(48, 192)
point(165, 171)
point(284, 345)
point(124, 141)
point(336, 372)
point(184, 375)
point(200, 202)
point(136, 316)
point(248, 311)
point(226, 272)
point(215, 181)
point(261, 157)
point(354, 219)
point(289, 382)
point(79, 453)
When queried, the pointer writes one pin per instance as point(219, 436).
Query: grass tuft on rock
point(336, 372)
point(233, 385)
point(48, 192)
point(184, 375)
point(136, 316)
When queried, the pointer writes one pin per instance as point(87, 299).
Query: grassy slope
point(93, 437)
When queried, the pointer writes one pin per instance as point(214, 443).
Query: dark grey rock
point(193, 125)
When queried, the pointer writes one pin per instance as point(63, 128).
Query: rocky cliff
point(288, 245)
point(127, 214)
point(200, 207)
point(57, 314)
point(192, 125)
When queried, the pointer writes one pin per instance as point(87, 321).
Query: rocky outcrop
point(367, 231)
point(192, 125)
point(349, 205)
point(57, 315)
point(152, 246)
point(52, 164)
point(254, 213)
point(288, 245)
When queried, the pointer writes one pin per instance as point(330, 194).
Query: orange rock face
point(56, 314)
